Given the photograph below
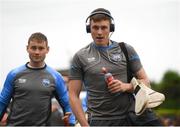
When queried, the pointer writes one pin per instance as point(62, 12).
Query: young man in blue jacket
point(31, 87)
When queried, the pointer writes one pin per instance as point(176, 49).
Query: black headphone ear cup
point(88, 29)
point(112, 27)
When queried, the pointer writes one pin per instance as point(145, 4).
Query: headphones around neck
point(100, 11)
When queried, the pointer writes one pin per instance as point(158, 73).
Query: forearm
point(142, 76)
point(129, 88)
point(2, 110)
point(5, 97)
point(146, 82)
point(77, 109)
point(75, 102)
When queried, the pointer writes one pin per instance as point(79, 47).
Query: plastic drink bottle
point(108, 76)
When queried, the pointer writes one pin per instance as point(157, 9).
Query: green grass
point(174, 112)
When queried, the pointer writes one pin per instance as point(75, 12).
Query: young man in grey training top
point(109, 104)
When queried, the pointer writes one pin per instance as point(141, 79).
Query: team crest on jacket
point(115, 57)
point(46, 82)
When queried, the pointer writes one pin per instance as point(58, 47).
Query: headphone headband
point(99, 12)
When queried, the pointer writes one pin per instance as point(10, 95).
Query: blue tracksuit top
point(31, 91)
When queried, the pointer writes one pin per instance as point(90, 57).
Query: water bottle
point(108, 76)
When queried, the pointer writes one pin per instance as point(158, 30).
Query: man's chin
point(100, 43)
point(37, 61)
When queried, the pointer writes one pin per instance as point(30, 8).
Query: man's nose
point(37, 51)
point(99, 31)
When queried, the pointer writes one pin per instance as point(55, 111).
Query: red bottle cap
point(104, 70)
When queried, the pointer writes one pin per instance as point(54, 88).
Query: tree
point(170, 87)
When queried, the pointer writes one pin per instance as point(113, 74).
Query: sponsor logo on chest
point(21, 80)
point(91, 59)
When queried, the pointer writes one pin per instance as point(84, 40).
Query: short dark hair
point(38, 36)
